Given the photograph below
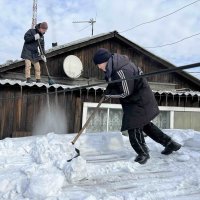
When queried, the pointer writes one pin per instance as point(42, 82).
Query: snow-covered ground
point(37, 168)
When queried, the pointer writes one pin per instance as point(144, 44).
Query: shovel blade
point(77, 155)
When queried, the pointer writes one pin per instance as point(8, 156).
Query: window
point(109, 117)
point(162, 120)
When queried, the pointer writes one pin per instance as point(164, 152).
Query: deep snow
point(37, 168)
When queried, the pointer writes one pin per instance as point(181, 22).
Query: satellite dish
point(72, 66)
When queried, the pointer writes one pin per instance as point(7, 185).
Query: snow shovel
point(51, 82)
point(84, 127)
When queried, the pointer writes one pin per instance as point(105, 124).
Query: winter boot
point(28, 80)
point(38, 81)
point(142, 158)
point(170, 147)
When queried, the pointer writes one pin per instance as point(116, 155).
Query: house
point(177, 93)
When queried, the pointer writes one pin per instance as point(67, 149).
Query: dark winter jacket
point(137, 99)
point(30, 49)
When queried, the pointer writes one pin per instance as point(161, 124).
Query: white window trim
point(173, 109)
point(181, 109)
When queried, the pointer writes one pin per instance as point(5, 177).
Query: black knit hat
point(102, 55)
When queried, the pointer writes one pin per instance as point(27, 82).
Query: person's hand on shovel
point(106, 97)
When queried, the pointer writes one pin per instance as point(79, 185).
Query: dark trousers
point(156, 134)
point(137, 140)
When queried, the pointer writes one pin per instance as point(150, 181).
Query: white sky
point(16, 18)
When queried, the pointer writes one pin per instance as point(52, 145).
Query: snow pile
point(75, 171)
point(42, 174)
point(43, 181)
point(51, 149)
point(36, 168)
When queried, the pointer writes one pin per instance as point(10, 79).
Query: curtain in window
point(99, 122)
point(115, 120)
point(163, 120)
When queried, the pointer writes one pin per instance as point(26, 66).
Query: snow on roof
point(23, 83)
point(63, 86)
point(177, 92)
point(76, 42)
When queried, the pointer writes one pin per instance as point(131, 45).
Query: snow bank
point(42, 173)
point(45, 170)
point(99, 143)
point(44, 182)
point(36, 168)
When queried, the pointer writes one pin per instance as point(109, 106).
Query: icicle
point(166, 103)
point(71, 94)
point(160, 100)
point(64, 95)
point(87, 93)
point(179, 99)
point(80, 93)
point(95, 94)
point(21, 91)
point(48, 103)
point(56, 96)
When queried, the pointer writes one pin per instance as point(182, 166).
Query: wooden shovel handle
point(88, 120)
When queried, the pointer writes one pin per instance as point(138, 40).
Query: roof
point(46, 85)
point(98, 38)
point(62, 86)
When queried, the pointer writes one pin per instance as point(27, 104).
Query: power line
point(173, 42)
point(159, 17)
point(91, 21)
point(84, 28)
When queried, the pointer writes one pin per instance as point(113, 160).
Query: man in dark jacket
point(138, 103)
point(30, 50)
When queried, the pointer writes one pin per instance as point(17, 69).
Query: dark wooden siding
point(20, 108)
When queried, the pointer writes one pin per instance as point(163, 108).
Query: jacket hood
point(115, 63)
point(119, 61)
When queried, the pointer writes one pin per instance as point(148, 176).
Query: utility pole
point(34, 18)
point(91, 21)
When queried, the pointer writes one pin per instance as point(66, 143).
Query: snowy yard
point(36, 168)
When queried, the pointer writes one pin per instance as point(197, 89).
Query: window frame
point(109, 106)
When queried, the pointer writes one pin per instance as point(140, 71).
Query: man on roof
point(30, 51)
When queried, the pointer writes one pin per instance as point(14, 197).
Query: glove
point(43, 57)
point(37, 36)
